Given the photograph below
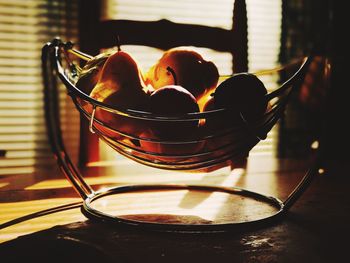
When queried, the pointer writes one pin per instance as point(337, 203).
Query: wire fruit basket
point(204, 150)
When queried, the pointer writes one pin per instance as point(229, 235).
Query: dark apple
point(242, 93)
point(170, 101)
point(242, 96)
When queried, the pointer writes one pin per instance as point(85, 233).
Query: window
point(24, 28)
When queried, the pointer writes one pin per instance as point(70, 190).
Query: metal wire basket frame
point(53, 53)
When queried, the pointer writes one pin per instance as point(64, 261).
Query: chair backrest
point(162, 34)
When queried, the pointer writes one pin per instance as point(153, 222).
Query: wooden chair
point(162, 34)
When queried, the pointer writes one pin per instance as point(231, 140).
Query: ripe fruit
point(221, 120)
point(91, 72)
point(89, 76)
point(120, 82)
point(242, 93)
point(168, 101)
point(219, 126)
point(191, 70)
point(120, 85)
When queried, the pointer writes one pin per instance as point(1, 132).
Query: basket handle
point(51, 107)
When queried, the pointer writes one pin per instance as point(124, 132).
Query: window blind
point(264, 32)
point(264, 42)
point(25, 26)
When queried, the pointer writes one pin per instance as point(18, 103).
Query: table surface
point(33, 215)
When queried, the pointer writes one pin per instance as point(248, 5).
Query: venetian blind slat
point(209, 13)
point(25, 26)
point(264, 33)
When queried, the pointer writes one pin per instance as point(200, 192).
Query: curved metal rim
point(93, 213)
point(151, 116)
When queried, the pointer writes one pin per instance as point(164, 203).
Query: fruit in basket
point(120, 82)
point(170, 101)
point(91, 72)
point(242, 96)
point(219, 126)
point(220, 120)
point(89, 77)
point(189, 70)
point(242, 93)
point(120, 85)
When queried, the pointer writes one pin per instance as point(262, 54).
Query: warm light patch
point(121, 175)
point(217, 200)
point(204, 99)
point(315, 145)
point(3, 184)
point(11, 211)
point(108, 163)
point(203, 205)
point(49, 184)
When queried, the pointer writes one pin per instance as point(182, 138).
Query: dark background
point(318, 27)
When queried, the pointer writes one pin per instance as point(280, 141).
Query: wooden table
point(315, 229)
